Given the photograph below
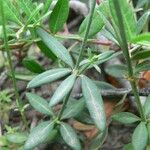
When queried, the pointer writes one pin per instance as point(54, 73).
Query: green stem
point(80, 55)
point(64, 105)
point(18, 102)
point(68, 37)
point(124, 47)
point(86, 33)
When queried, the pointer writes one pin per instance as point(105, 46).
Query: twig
point(80, 55)
point(61, 36)
point(113, 93)
point(86, 33)
point(124, 46)
point(18, 102)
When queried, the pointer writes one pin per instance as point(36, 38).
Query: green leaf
point(24, 77)
point(147, 106)
point(52, 136)
point(109, 35)
point(143, 66)
point(97, 21)
point(104, 85)
point(39, 104)
point(32, 65)
point(142, 39)
point(148, 147)
point(144, 54)
point(56, 47)
point(73, 109)
point(125, 117)
point(140, 137)
point(142, 21)
point(141, 3)
point(84, 117)
point(47, 4)
point(26, 6)
point(119, 71)
point(105, 55)
point(128, 147)
point(48, 77)
point(39, 135)
point(17, 138)
point(94, 102)
point(59, 15)
point(148, 129)
point(128, 18)
point(46, 50)
point(98, 140)
point(42, 18)
point(11, 12)
point(63, 89)
point(70, 136)
point(104, 59)
point(34, 13)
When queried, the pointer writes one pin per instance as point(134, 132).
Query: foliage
point(26, 24)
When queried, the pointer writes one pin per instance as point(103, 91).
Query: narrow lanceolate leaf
point(47, 52)
point(74, 109)
point(32, 65)
point(39, 135)
point(94, 102)
point(34, 13)
point(39, 104)
point(17, 138)
point(85, 118)
point(26, 6)
point(147, 106)
point(70, 136)
point(128, 147)
point(56, 47)
point(59, 15)
point(11, 12)
point(143, 66)
point(48, 77)
point(141, 55)
point(63, 89)
point(142, 21)
point(47, 5)
point(97, 21)
point(141, 3)
point(148, 130)
point(104, 85)
point(104, 59)
point(140, 137)
point(143, 39)
point(125, 117)
point(119, 71)
point(22, 76)
point(52, 136)
point(106, 55)
point(128, 17)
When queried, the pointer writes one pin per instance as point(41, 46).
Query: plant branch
point(64, 105)
point(80, 54)
point(61, 36)
point(124, 47)
point(113, 93)
point(86, 32)
point(18, 102)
